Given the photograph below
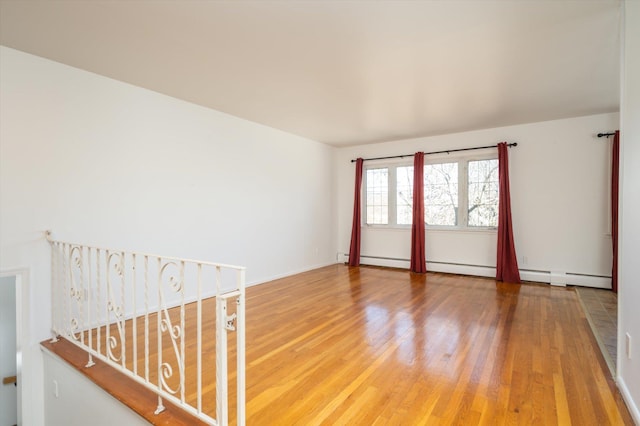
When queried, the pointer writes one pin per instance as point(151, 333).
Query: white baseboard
point(589, 281)
point(554, 278)
point(626, 395)
point(290, 273)
point(452, 268)
point(381, 261)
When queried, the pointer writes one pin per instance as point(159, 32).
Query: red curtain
point(507, 261)
point(418, 261)
point(354, 249)
point(615, 176)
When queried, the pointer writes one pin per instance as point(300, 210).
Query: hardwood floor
point(368, 345)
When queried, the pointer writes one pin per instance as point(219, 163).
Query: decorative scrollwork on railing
point(94, 305)
point(175, 332)
point(167, 373)
point(111, 345)
point(117, 265)
point(175, 284)
point(75, 291)
point(112, 341)
point(116, 309)
point(74, 331)
point(115, 261)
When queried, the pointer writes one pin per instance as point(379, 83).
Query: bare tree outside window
point(377, 196)
point(441, 194)
point(483, 193)
point(404, 195)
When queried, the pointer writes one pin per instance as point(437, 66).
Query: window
point(483, 193)
point(457, 194)
point(404, 195)
point(441, 194)
point(377, 184)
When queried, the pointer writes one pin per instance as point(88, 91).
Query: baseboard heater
point(556, 278)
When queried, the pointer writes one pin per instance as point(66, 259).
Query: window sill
point(429, 229)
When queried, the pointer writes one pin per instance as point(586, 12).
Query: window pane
point(441, 194)
point(377, 196)
point(404, 195)
point(483, 193)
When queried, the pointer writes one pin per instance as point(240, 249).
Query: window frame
point(365, 190)
point(463, 191)
point(466, 198)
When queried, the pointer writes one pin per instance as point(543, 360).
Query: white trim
point(22, 341)
point(432, 228)
point(561, 279)
point(294, 272)
point(626, 395)
point(589, 281)
point(474, 270)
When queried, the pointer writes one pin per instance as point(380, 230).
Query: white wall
point(629, 242)
point(98, 408)
point(101, 162)
point(559, 195)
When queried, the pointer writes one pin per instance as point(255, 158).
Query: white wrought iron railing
point(153, 318)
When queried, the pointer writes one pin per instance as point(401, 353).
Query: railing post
point(146, 318)
point(54, 281)
point(120, 318)
point(134, 328)
point(89, 330)
point(98, 291)
point(240, 336)
point(182, 361)
point(222, 411)
point(107, 326)
point(160, 407)
point(63, 293)
point(80, 293)
point(199, 340)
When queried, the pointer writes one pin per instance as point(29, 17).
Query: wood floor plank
point(363, 346)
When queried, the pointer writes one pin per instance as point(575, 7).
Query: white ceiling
point(344, 72)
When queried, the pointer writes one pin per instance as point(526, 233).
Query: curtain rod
point(605, 135)
point(438, 152)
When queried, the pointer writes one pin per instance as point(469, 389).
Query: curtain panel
point(507, 260)
point(615, 180)
point(418, 260)
point(354, 248)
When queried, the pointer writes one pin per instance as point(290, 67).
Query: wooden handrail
point(9, 380)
